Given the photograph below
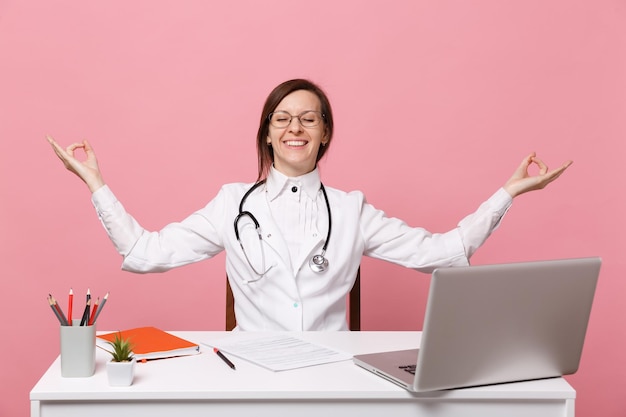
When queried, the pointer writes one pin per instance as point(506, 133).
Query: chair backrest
point(354, 318)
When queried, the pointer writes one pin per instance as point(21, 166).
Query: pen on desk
point(70, 306)
point(104, 300)
point(224, 358)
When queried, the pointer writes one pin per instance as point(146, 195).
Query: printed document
point(276, 351)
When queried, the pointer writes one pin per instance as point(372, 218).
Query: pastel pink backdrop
point(436, 103)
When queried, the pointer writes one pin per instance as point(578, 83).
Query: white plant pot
point(121, 374)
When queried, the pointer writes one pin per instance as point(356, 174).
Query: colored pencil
point(104, 300)
point(85, 318)
point(58, 309)
point(54, 310)
point(92, 318)
point(70, 307)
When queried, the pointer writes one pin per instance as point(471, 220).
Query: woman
point(286, 269)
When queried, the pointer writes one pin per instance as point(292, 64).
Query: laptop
point(494, 324)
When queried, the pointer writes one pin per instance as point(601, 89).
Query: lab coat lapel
point(313, 243)
point(257, 204)
point(309, 249)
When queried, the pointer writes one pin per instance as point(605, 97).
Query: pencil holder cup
point(78, 350)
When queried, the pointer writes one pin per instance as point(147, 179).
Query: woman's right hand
point(86, 170)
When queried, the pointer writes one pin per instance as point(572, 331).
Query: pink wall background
point(436, 103)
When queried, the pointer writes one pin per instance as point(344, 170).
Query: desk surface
point(205, 379)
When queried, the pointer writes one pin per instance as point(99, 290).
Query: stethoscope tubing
point(318, 263)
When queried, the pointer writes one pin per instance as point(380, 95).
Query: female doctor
point(293, 245)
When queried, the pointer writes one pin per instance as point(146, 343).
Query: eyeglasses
point(282, 119)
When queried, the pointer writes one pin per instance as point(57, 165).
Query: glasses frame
point(298, 116)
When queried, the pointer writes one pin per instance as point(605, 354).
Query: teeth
point(295, 142)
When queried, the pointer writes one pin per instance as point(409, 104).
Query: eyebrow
point(303, 111)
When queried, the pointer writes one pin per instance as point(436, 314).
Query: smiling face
point(296, 147)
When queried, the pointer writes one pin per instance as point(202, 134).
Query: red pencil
point(104, 300)
point(93, 312)
point(70, 305)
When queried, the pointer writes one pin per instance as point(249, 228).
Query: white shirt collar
point(277, 182)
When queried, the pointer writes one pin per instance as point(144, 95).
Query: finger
point(563, 167)
point(523, 166)
point(530, 157)
point(553, 175)
point(58, 150)
point(543, 168)
point(87, 146)
point(560, 169)
point(74, 146)
point(70, 149)
point(52, 142)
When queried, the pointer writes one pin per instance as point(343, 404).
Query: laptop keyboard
point(409, 368)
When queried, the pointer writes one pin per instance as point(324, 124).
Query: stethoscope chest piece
point(318, 263)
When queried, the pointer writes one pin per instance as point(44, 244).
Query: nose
point(294, 125)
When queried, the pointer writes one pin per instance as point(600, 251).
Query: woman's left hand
point(522, 182)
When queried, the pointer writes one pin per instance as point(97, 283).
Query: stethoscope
point(317, 263)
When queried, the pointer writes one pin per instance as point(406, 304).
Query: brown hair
point(265, 153)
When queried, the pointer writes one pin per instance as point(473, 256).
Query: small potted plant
point(121, 367)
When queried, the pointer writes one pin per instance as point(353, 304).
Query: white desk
point(202, 385)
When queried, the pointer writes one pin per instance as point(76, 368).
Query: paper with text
point(277, 352)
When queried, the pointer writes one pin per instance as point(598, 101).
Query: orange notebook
point(151, 343)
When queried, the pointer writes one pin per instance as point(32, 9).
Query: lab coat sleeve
point(478, 226)
point(191, 240)
point(393, 240)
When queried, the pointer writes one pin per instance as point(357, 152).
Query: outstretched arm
point(86, 170)
point(522, 182)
